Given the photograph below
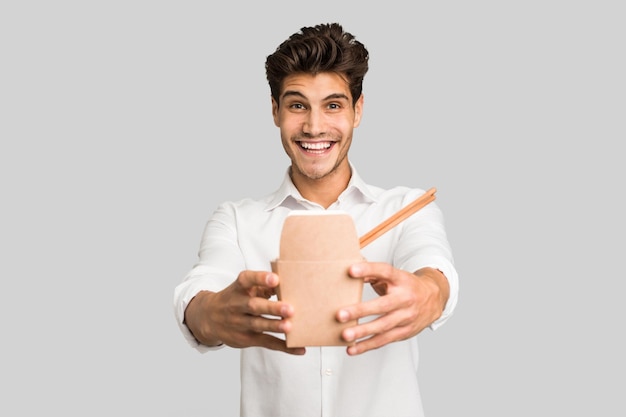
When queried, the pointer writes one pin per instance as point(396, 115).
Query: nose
point(314, 123)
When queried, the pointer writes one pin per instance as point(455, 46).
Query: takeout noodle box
point(316, 250)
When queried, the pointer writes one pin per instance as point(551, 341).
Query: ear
point(275, 112)
point(358, 112)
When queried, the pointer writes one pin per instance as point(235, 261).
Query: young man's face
point(316, 119)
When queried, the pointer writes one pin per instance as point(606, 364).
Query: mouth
point(315, 147)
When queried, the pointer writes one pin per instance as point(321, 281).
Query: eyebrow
point(334, 96)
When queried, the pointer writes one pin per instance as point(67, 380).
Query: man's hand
point(408, 303)
point(241, 315)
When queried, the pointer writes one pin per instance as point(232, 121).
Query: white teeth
point(315, 145)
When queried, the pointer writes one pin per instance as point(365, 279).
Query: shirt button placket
point(328, 373)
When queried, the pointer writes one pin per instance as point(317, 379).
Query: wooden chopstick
point(397, 217)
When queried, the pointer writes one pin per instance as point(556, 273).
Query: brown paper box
point(316, 251)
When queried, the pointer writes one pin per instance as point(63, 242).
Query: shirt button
point(328, 372)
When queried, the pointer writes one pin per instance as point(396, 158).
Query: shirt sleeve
point(219, 262)
point(423, 243)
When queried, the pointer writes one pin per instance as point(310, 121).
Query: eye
point(296, 106)
point(334, 106)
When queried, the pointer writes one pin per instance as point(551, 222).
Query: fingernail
point(270, 279)
point(285, 326)
point(285, 311)
point(343, 316)
point(348, 335)
point(355, 269)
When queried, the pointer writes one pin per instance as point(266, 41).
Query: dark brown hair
point(322, 48)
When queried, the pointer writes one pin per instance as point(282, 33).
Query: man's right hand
point(241, 315)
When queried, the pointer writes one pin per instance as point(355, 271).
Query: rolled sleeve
point(449, 271)
point(183, 294)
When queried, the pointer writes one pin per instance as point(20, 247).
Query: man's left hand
point(408, 303)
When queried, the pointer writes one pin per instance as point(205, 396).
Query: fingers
point(377, 306)
point(375, 342)
point(377, 333)
point(383, 324)
point(274, 343)
point(402, 310)
point(245, 330)
point(259, 320)
point(250, 279)
point(260, 306)
point(257, 287)
point(251, 339)
point(242, 314)
point(373, 271)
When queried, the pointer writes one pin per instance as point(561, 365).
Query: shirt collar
point(357, 190)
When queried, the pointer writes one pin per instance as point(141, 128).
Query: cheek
point(290, 126)
point(347, 125)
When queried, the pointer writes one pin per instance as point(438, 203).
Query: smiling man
point(228, 297)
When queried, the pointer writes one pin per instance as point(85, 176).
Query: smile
point(316, 147)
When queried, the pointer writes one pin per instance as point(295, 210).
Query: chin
point(313, 173)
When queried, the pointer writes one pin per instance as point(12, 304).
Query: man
point(227, 299)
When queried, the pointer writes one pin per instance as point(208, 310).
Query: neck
point(323, 191)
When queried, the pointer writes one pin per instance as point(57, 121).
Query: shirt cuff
point(183, 294)
point(449, 271)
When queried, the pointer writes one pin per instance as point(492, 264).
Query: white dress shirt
point(325, 381)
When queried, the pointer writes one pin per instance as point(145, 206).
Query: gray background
point(124, 123)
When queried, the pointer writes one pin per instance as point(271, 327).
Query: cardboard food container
point(316, 250)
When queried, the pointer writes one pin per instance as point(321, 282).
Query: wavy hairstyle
point(321, 48)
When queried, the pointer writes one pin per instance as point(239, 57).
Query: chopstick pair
point(398, 217)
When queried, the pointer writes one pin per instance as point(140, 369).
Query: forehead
point(316, 87)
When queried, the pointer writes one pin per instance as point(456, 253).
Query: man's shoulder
point(247, 204)
point(398, 192)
